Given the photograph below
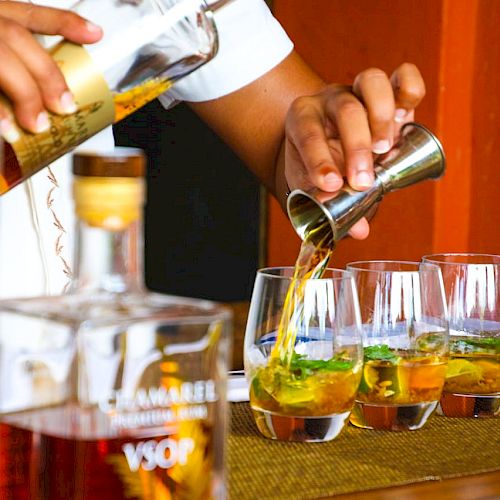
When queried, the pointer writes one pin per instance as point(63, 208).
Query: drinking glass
point(472, 288)
point(405, 339)
point(303, 368)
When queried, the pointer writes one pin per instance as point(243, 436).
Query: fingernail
point(400, 114)
point(364, 179)
point(332, 182)
point(42, 122)
point(67, 103)
point(381, 147)
point(93, 28)
point(8, 130)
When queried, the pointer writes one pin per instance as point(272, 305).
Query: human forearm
point(252, 120)
point(299, 132)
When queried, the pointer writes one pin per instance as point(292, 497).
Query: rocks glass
point(472, 287)
point(405, 339)
point(304, 372)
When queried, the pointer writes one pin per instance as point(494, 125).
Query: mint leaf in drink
point(380, 353)
point(489, 345)
point(363, 386)
point(488, 342)
point(303, 367)
point(257, 388)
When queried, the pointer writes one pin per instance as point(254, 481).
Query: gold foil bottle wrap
point(95, 111)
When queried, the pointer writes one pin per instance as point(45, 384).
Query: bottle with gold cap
point(109, 391)
point(147, 46)
point(108, 190)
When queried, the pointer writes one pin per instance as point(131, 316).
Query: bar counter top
point(455, 458)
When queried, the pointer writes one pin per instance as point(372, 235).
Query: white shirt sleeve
point(251, 43)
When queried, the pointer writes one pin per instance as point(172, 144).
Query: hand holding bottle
point(143, 47)
point(26, 65)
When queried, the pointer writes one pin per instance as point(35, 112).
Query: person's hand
point(340, 130)
point(29, 78)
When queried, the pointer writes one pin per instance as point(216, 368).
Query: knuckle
point(371, 74)
point(360, 150)
point(382, 116)
point(66, 22)
point(48, 68)
point(300, 104)
point(349, 107)
point(28, 97)
point(12, 31)
point(307, 138)
point(70, 18)
point(334, 89)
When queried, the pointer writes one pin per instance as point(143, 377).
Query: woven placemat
point(357, 460)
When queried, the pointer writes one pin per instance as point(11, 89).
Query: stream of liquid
point(312, 260)
point(35, 223)
point(39, 234)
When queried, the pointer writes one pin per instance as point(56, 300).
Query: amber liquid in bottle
point(171, 463)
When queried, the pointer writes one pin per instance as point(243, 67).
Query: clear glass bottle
point(110, 391)
point(147, 45)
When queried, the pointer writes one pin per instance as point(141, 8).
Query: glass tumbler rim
point(359, 265)
point(440, 258)
point(339, 274)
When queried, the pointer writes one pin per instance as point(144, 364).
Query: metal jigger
point(417, 156)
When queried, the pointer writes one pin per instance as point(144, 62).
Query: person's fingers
point(409, 90)
point(8, 130)
point(33, 81)
point(374, 89)
point(51, 21)
point(25, 98)
point(305, 130)
point(360, 230)
point(47, 75)
point(351, 122)
point(296, 174)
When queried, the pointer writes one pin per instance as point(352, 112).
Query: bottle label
point(96, 111)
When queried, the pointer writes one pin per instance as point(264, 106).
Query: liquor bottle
point(147, 45)
point(109, 391)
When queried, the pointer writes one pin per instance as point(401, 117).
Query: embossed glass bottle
point(110, 391)
point(147, 45)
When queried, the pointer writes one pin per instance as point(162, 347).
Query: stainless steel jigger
point(417, 156)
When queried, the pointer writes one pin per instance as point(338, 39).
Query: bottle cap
point(118, 162)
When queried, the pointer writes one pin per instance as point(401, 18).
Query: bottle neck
point(108, 237)
point(108, 261)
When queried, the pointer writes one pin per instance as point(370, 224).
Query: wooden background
point(456, 45)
